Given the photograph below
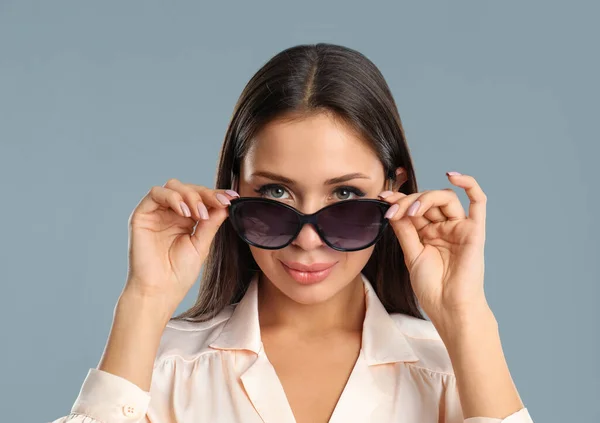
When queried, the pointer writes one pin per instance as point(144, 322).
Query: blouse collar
point(382, 340)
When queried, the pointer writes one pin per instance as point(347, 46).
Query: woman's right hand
point(165, 253)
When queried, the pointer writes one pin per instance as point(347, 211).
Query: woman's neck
point(342, 313)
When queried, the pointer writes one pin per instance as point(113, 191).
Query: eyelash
point(264, 189)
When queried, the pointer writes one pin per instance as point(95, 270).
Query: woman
point(308, 308)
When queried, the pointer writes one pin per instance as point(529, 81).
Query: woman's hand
point(443, 248)
point(165, 253)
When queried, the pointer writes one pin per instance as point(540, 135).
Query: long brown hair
point(309, 79)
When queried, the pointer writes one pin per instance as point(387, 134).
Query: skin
point(172, 227)
point(309, 152)
point(443, 252)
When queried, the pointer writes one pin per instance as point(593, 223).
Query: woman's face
point(292, 162)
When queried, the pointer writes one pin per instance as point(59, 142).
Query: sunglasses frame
point(307, 219)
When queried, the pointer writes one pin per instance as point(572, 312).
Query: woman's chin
point(308, 294)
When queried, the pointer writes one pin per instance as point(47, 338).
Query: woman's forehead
point(315, 144)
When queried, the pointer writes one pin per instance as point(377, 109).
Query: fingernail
point(223, 200)
point(391, 211)
point(202, 210)
point(186, 210)
point(385, 194)
point(232, 193)
point(413, 208)
point(453, 173)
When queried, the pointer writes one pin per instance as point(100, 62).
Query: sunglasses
point(347, 225)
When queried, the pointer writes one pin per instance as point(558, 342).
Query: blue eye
point(272, 190)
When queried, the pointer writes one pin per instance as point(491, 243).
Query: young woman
point(314, 276)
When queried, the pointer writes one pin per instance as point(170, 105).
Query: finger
point(446, 200)
point(404, 227)
point(215, 198)
point(214, 204)
point(163, 197)
point(434, 214)
point(202, 199)
point(477, 198)
point(409, 240)
point(420, 221)
point(206, 230)
point(191, 198)
point(403, 202)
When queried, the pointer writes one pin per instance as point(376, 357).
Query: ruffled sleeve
point(452, 412)
point(521, 416)
point(107, 398)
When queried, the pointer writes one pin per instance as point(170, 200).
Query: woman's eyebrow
point(332, 181)
point(274, 177)
point(345, 178)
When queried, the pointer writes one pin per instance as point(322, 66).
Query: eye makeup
point(266, 189)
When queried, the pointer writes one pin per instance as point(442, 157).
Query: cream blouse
point(217, 371)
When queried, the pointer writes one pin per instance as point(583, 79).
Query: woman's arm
point(134, 338)
point(485, 386)
point(118, 390)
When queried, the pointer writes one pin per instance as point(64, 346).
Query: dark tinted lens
point(350, 224)
point(265, 224)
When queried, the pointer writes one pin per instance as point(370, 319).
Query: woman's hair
point(301, 81)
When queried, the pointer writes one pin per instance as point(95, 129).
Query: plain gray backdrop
point(99, 101)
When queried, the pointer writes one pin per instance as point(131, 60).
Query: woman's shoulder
point(426, 343)
point(189, 339)
point(415, 327)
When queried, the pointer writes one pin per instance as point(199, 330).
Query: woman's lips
point(308, 274)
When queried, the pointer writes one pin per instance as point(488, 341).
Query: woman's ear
point(401, 178)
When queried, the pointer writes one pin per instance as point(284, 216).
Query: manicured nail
point(223, 200)
point(202, 210)
point(391, 211)
point(453, 173)
point(413, 208)
point(232, 193)
point(186, 210)
point(385, 194)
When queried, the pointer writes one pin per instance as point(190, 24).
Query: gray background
point(99, 101)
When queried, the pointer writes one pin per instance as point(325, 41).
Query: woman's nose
point(308, 238)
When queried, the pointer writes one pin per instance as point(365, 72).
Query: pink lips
point(308, 274)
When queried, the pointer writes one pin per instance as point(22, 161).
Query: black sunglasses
point(347, 225)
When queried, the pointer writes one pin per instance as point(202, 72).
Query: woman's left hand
point(443, 248)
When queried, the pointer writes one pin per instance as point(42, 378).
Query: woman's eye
point(348, 193)
point(274, 191)
point(343, 194)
